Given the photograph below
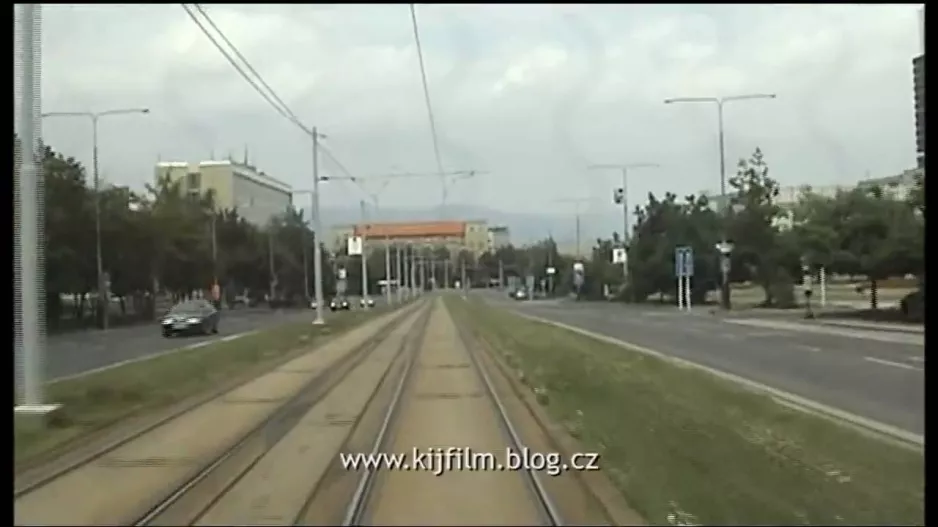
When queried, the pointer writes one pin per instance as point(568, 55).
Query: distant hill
point(524, 228)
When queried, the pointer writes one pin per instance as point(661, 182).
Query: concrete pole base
point(35, 416)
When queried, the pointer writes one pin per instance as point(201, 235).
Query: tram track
point(114, 483)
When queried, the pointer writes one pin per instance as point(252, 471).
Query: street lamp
point(720, 102)
point(103, 297)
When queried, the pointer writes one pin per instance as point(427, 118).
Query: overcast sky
point(532, 94)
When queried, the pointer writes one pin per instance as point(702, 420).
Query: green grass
point(685, 447)
point(100, 399)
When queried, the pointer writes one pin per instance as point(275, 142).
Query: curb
point(884, 329)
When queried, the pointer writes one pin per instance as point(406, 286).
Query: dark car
point(339, 304)
point(190, 317)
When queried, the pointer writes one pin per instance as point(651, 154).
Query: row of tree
point(867, 231)
point(164, 244)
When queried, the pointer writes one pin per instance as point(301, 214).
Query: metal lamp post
point(103, 297)
point(724, 247)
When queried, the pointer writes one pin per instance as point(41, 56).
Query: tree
point(863, 232)
point(155, 244)
point(752, 226)
point(662, 226)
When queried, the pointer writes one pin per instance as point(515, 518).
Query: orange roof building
point(412, 230)
point(471, 235)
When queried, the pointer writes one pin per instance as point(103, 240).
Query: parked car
point(366, 301)
point(520, 294)
point(313, 304)
point(190, 317)
point(339, 304)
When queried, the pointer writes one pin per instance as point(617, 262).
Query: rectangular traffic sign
point(683, 262)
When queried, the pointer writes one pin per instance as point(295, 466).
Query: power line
point(426, 97)
point(247, 64)
point(272, 98)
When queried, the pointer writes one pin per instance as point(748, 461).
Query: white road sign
point(551, 270)
point(619, 256)
point(342, 273)
point(355, 245)
point(578, 267)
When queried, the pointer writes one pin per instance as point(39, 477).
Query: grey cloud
point(842, 73)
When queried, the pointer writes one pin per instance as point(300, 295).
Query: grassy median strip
point(687, 448)
point(102, 398)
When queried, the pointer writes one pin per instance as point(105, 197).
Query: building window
point(194, 181)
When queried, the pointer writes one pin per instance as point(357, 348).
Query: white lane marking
point(917, 440)
point(863, 334)
point(893, 364)
point(917, 359)
point(805, 347)
point(150, 356)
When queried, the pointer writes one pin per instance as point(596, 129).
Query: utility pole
point(621, 197)
point(364, 257)
point(387, 269)
point(501, 274)
point(273, 272)
point(462, 280)
point(29, 345)
point(550, 264)
point(305, 269)
point(576, 203)
point(317, 233)
point(432, 272)
point(400, 274)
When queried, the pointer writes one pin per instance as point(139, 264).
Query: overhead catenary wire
point(269, 95)
point(426, 98)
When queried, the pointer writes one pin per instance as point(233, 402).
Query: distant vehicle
point(190, 317)
point(313, 304)
point(367, 301)
point(339, 304)
point(520, 294)
point(241, 301)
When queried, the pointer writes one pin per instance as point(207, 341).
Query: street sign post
point(579, 271)
point(683, 271)
point(354, 245)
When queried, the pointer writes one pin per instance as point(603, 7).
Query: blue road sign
point(683, 262)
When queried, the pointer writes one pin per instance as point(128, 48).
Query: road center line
point(893, 364)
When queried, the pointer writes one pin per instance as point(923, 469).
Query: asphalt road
point(78, 352)
point(875, 375)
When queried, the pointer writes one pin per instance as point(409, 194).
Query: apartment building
point(257, 196)
point(497, 237)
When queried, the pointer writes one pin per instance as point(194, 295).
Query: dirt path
point(446, 405)
point(116, 488)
